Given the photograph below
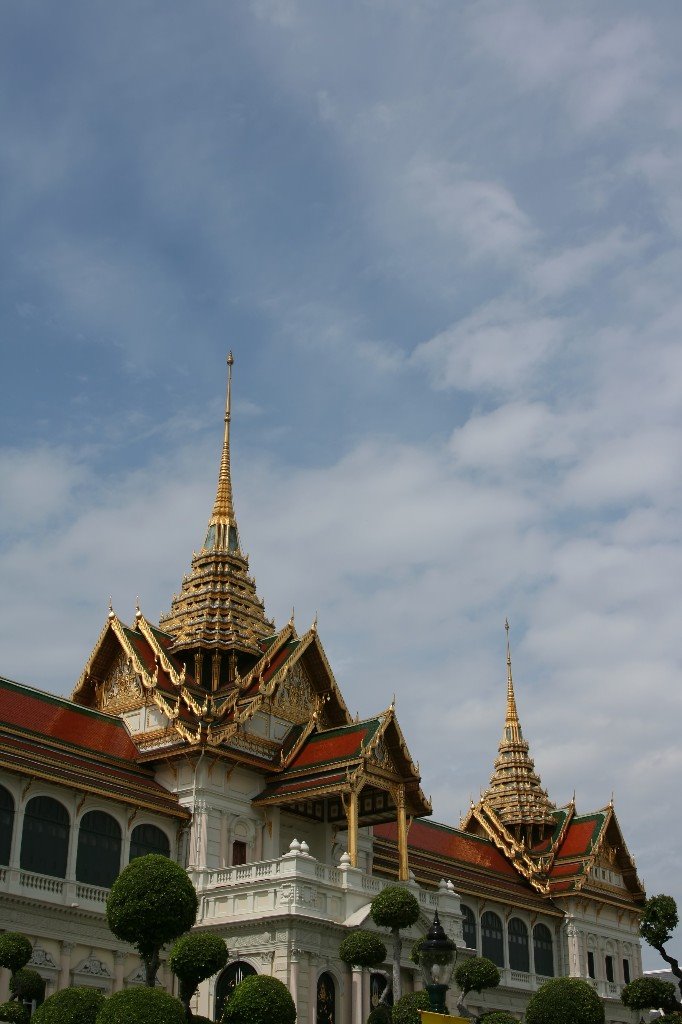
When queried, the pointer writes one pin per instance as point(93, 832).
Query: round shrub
point(141, 1006)
point(78, 1005)
point(194, 958)
point(394, 907)
point(200, 1020)
point(415, 952)
point(476, 973)
point(498, 1017)
point(381, 1014)
point(13, 1013)
point(565, 1001)
point(15, 951)
point(260, 999)
point(668, 1018)
point(406, 1009)
point(151, 903)
point(362, 949)
point(649, 994)
point(27, 984)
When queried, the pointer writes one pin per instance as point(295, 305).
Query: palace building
point(223, 742)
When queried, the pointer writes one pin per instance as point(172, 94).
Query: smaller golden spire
point(512, 716)
point(222, 533)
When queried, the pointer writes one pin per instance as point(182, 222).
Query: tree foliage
point(194, 958)
point(476, 973)
point(15, 951)
point(565, 1001)
point(415, 952)
point(650, 994)
point(362, 949)
point(406, 1009)
point(13, 1013)
point(151, 903)
point(141, 1006)
point(381, 1014)
point(260, 999)
point(78, 1005)
point(498, 1017)
point(27, 984)
point(659, 920)
point(394, 907)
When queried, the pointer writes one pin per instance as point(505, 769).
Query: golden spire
point(222, 533)
point(515, 792)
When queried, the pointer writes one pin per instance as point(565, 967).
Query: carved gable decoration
point(121, 690)
point(382, 758)
point(295, 699)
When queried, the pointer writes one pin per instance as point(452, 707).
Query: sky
point(443, 240)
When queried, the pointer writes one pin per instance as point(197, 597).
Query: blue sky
point(443, 241)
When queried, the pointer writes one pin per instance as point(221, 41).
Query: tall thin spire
point(515, 792)
point(222, 533)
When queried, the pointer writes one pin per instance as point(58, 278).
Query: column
point(403, 866)
point(366, 1007)
point(352, 818)
point(356, 989)
point(119, 969)
point(4, 984)
point(293, 975)
point(65, 965)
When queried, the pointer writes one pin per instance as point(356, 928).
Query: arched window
point(148, 839)
point(45, 840)
point(6, 823)
point(517, 937)
point(492, 941)
point(228, 981)
point(468, 927)
point(542, 951)
point(326, 999)
point(99, 849)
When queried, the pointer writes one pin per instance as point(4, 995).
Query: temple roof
point(51, 738)
point(217, 606)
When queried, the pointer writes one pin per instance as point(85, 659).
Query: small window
point(99, 849)
point(326, 999)
point(590, 963)
point(238, 852)
point(626, 971)
point(543, 954)
point(609, 968)
point(468, 927)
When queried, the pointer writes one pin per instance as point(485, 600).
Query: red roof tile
point(333, 746)
point(441, 841)
point(580, 836)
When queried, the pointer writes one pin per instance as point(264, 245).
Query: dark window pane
point(326, 999)
point(609, 968)
point(626, 971)
point(148, 839)
point(45, 839)
point(469, 928)
point(238, 852)
point(6, 824)
point(99, 849)
point(590, 963)
point(227, 982)
point(492, 941)
point(542, 951)
point(519, 954)
point(377, 984)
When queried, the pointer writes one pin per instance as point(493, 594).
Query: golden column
point(352, 819)
point(403, 867)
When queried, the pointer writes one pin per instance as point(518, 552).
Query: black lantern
point(437, 961)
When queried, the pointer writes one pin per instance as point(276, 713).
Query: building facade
point(220, 741)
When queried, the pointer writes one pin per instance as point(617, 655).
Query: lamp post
point(437, 962)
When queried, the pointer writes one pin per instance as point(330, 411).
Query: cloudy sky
point(443, 240)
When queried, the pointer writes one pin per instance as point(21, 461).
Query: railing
point(95, 893)
point(43, 883)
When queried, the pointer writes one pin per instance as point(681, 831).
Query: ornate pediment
point(295, 699)
point(121, 689)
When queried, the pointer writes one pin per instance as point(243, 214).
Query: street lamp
point(437, 961)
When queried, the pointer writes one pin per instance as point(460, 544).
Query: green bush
point(476, 973)
point(194, 958)
point(70, 1006)
point(381, 1014)
point(394, 907)
point(669, 1018)
point(260, 999)
point(565, 1001)
point(27, 984)
point(362, 949)
point(15, 951)
point(498, 1017)
point(415, 952)
point(151, 903)
point(13, 1013)
point(141, 1006)
point(649, 994)
point(406, 1009)
point(659, 920)
point(196, 1019)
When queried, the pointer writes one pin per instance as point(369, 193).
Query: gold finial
point(222, 532)
point(138, 611)
point(291, 620)
point(112, 613)
point(512, 714)
point(314, 625)
point(393, 703)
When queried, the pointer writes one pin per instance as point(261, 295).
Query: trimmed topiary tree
point(151, 903)
point(14, 1013)
point(406, 1009)
point(650, 994)
point(474, 974)
point(362, 949)
point(79, 1005)
point(395, 908)
point(15, 951)
point(27, 984)
point(565, 1001)
point(194, 958)
point(498, 1017)
point(141, 1006)
point(260, 999)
